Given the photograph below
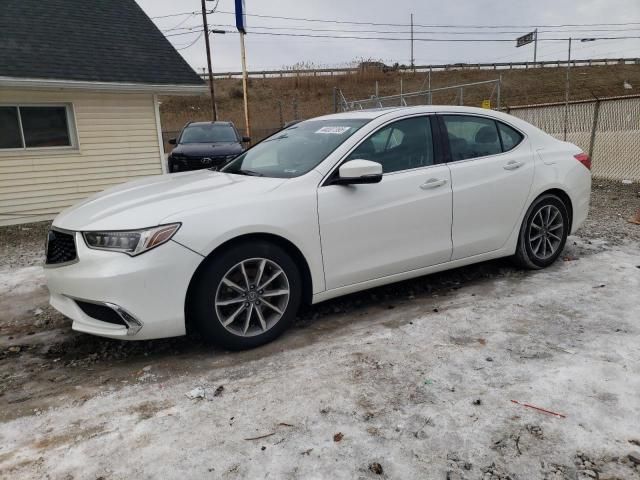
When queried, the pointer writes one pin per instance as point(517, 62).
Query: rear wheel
point(247, 296)
point(543, 233)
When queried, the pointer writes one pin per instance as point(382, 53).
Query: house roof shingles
point(87, 40)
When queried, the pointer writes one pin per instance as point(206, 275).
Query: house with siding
point(79, 86)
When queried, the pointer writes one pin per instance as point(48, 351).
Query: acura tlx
point(322, 208)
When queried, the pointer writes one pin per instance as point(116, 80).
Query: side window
point(471, 137)
point(510, 138)
point(402, 145)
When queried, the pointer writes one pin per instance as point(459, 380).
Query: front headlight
point(131, 242)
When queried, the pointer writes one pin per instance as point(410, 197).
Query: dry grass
point(313, 94)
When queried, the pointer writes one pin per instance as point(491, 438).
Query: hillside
point(313, 95)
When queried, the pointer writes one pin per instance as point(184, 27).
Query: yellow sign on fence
point(486, 104)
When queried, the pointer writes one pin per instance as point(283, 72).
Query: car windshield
point(296, 149)
point(208, 133)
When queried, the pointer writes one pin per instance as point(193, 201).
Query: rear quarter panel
point(556, 168)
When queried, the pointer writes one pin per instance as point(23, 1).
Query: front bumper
point(147, 291)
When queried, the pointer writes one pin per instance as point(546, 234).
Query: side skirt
point(337, 292)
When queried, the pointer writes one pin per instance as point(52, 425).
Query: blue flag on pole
point(241, 19)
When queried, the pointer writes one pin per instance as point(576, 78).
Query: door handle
point(433, 183)
point(513, 165)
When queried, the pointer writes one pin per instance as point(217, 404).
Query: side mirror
point(357, 172)
point(172, 141)
point(246, 139)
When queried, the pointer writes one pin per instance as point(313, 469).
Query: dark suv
point(205, 145)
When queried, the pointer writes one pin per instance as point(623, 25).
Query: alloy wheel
point(252, 297)
point(546, 231)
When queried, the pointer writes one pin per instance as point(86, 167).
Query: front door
point(402, 223)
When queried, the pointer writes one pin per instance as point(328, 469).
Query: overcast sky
point(275, 52)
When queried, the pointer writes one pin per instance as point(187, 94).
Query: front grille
point(101, 312)
point(196, 162)
point(61, 247)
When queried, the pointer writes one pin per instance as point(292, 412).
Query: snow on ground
point(21, 280)
point(423, 389)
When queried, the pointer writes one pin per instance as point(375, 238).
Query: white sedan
point(320, 209)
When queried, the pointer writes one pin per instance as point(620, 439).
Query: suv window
point(511, 138)
point(471, 137)
point(402, 145)
point(208, 133)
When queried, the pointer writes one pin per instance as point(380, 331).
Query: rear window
point(472, 136)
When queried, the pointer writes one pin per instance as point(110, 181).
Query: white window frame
point(72, 130)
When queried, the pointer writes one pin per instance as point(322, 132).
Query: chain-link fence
point(608, 129)
point(486, 93)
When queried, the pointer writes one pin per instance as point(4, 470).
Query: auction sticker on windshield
point(338, 130)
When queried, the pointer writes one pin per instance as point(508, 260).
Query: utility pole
point(566, 93)
point(205, 29)
point(535, 47)
point(245, 85)
point(412, 59)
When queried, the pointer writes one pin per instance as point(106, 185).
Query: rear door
point(492, 170)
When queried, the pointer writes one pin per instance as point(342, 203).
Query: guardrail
point(425, 68)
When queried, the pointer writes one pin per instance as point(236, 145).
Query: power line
point(403, 39)
point(432, 25)
point(183, 33)
point(459, 25)
point(192, 43)
point(174, 15)
point(399, 39)
point(515, 32)
point(182, 22)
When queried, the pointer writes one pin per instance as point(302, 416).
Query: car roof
point(372, 113)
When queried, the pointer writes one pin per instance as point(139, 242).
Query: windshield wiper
point(251, 173)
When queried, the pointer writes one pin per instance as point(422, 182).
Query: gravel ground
point(390, 357)
point(612, 205)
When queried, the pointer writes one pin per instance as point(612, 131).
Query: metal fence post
point(280, 112)
point(461, 96)
point(594, 127)
point(295, 109)
point(430, 96)
point(498, 93)
point(335, 99)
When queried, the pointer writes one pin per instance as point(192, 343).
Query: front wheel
point(246, 296)
point(543, 233)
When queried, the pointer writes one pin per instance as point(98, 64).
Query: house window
point(35, 126)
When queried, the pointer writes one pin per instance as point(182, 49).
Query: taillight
point(584, 159)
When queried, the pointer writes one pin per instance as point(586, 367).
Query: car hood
point(146, 202)
point(207, 149)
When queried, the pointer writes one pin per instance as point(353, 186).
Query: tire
point(220, 286)
point(531, 253)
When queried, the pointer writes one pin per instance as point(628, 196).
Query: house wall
point(117, 136)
